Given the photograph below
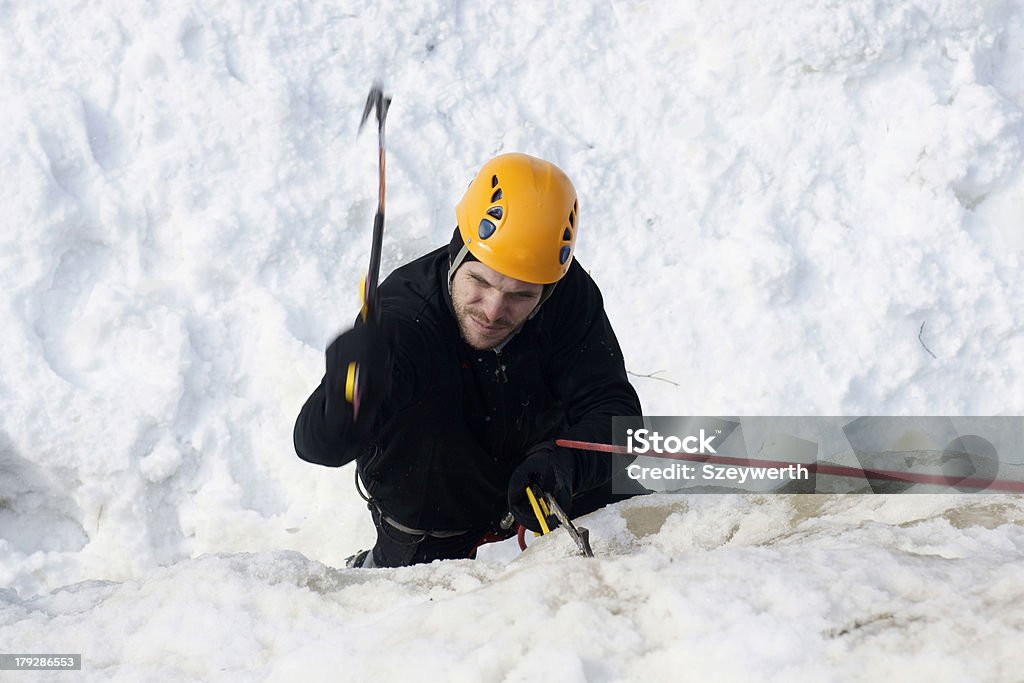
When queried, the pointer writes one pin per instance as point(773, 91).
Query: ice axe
point(377, 102)
point(545, 506)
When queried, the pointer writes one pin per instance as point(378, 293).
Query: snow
point(776, 198)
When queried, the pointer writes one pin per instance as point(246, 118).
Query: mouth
point(488, 330)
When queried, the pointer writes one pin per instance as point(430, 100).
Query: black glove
point(369, 347)
point(546, 466)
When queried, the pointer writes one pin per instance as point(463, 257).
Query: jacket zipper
point(500, 372)
point(502, 413)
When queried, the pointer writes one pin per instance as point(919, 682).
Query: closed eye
point(521, 295)
point(479, 280)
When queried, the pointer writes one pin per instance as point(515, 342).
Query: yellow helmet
point(519, 217)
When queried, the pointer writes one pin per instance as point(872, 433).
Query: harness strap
point(419, 532)
point(395, 524)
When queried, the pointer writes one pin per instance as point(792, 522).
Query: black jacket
point(457, 421)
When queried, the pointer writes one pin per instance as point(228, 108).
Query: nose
point(494, 306)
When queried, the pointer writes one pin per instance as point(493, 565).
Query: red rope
point(818, 468)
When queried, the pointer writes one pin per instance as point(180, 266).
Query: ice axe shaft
point(376, 102)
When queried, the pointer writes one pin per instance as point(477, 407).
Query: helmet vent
point(496, 196)
point(572, 218)
point(486, 229)
point(563, 254)
point(494, 181)
point(567, 236)
point(495, 212)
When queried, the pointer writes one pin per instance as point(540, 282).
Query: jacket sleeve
point(327, 434)
point(325, 439)
point(590, 376)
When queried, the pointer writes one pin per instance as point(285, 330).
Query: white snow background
point(774, 197)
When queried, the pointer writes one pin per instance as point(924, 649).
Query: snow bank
point(791, 209)
point(708, 587)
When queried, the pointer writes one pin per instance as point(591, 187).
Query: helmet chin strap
point(544, 296)
point(456, 262)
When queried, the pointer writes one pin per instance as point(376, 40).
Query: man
point(486, 352)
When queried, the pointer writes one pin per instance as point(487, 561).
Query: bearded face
point(490, 306)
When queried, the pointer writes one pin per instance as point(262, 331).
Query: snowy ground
point(775, 198)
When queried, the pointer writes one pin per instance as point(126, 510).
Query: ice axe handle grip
point(540, 508)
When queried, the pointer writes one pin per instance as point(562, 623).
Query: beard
point(477, 338)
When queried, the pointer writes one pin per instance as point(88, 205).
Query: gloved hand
point(549, 467)
point(369, 347)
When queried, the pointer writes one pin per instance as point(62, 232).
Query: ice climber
point(486, 351)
